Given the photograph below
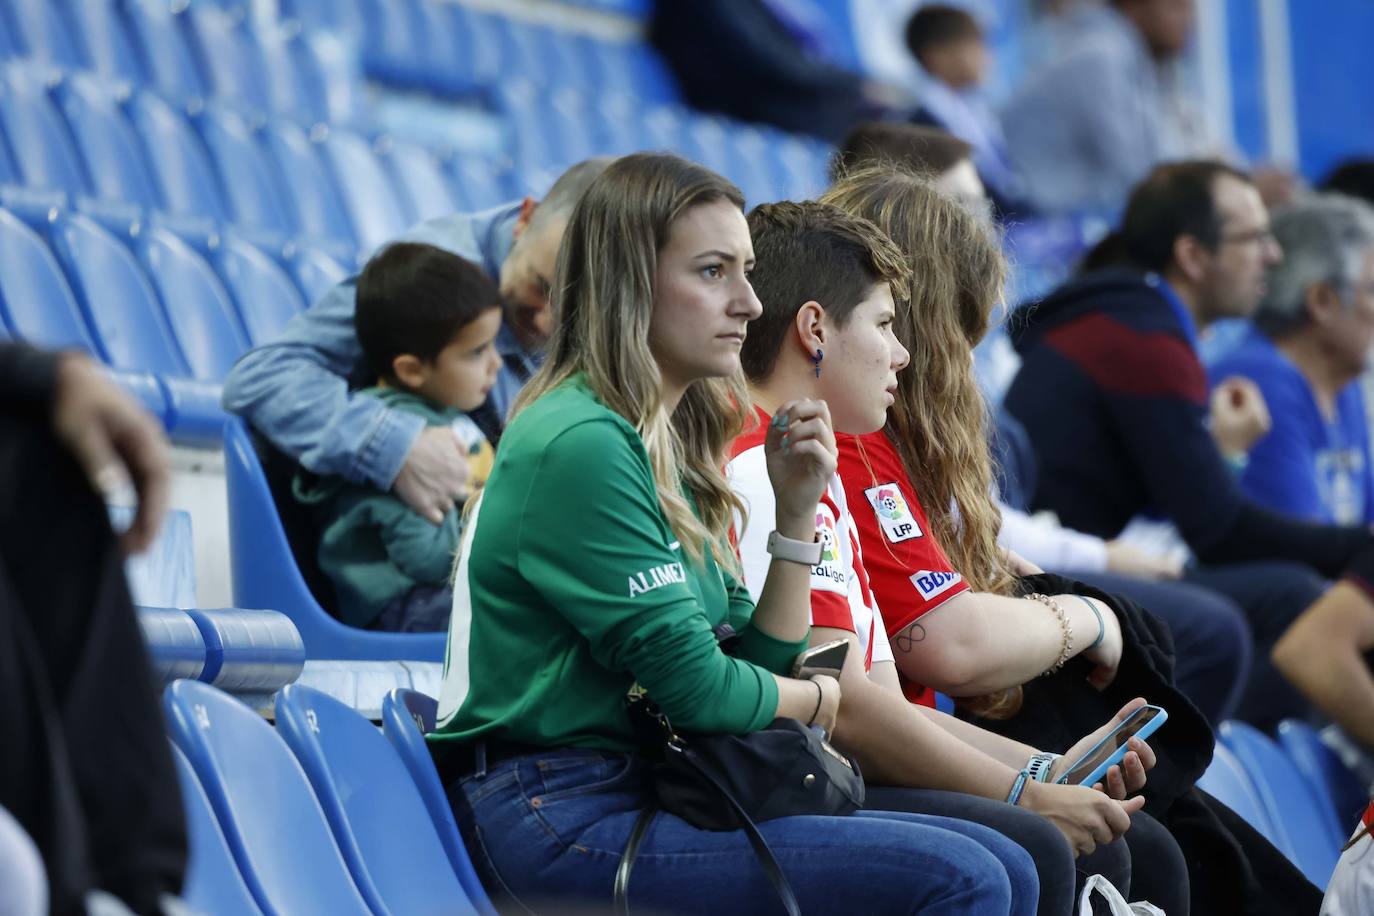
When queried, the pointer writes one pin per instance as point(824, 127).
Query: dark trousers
point(84, 762)
point(1213, 645)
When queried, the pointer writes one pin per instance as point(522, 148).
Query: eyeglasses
point(1249, 237)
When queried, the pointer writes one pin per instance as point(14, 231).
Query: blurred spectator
point(1354, 177)
point(296, 390)
point(1310, 342)
point(1126, 431)
point(1091, 121)
point(427, 320)
point(765, 61)
point(85, 768)
point(932, 152)
point(950, 47)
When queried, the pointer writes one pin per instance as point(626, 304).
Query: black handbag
point(729, 782)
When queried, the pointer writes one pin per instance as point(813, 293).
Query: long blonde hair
point(939, 421)
point(602, 299)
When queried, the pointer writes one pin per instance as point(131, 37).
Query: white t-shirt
point(1350, 892)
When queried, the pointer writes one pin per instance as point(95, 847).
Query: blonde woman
point(942, 581)
point(597, 557)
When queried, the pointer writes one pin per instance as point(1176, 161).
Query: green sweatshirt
point(374, 547)
point(571, 587)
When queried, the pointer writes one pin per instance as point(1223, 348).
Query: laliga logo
point(828, 551)
point(888, 505)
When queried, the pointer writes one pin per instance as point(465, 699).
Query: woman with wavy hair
point(927, 518)
point(597, 559)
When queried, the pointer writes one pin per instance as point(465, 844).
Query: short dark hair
point(927, 151)
point(414, 299)
point(1354, 177)
point(811, 251)
point(938, 24)
point(1174, 200)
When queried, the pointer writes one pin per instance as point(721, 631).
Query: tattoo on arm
point(906, 639)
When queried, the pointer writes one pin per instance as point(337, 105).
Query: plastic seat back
point(377, 815)
point(212, 884)
point(104, 33)
point(319, 209)
point(252, 181)
point(1293, 808)
point(232, 60)
point(44, 152)
point(109, 145)
point(481, 184)
point(1324, 771)
point(407, 715)
point(265, 295)
point(294, 79)
point(271, 820)
point(199, 311)
point(316, 271)
point(46, 32)
point(373, 205)
point(188, 180)
point(420, 182)
point(168, 57)
point(264, 572)
point(1226, 781)
point(35, 301)
point(121, 306)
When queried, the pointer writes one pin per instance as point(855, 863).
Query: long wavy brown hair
point(939, 421)
point(602, 298)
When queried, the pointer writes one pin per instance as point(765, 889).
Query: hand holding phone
point(827, 658)
point(1093, 766)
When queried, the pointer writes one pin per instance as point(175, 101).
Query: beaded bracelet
point(1066, 650)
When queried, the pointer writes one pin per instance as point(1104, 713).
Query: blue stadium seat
point(273, 824)
point(264, 572)
point(249, 651)
point(315, 271)
point(419, 182)
point(107, 140)
point(407, 715)
point(1305, 836)
point(35, 301)
point(213, 884)
point(120, 305)
point(264, 293)
point(37, 135)
point(291, 69)
point(318, 206)
point(202, 317)
point(44, 33)
point(1226, 781)
point(756, 172)
point(480, 183)
point(373, 206)
point(174, 642)
point(232, 60)
point(252, 182)
point(104, 32)
point(377, 814)
point(184, 171)
point(1330, 778)
point(168, 57)
point(476, 62)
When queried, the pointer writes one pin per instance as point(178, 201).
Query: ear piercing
point(816, 360)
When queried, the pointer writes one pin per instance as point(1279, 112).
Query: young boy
point(426, 320)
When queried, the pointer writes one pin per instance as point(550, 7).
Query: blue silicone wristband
point(1018, 787)
point(1101, 626)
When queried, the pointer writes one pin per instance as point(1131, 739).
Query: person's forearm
point(1004, 750)
point(1257, 534)
point(1322, 654)
point(978, 643)
point(783, 610)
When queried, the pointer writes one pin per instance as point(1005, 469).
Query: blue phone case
point(1146, 730)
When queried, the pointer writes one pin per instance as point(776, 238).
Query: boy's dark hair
point(937, 24)
point(927, 151)
point(1354, 177)
point(1176, 199)
point(811, 251)
point(414, 299)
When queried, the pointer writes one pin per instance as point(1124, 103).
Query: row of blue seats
point(236, 650)
point(325, 814)
point(82, 135)
point(170, 308)
point(1295, 791)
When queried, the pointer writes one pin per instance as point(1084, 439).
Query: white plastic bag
point(1116, 904)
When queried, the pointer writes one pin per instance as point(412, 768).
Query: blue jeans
point(546, 831)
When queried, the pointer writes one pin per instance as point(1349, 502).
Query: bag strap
point(621, 897)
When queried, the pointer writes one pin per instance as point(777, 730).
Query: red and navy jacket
point(1114, 399)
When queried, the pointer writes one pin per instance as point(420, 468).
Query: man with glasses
point(1116, 403)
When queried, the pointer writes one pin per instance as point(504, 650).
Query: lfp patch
point(894, 515)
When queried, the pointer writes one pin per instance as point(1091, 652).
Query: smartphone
point(1093, 766)
point(827, 658)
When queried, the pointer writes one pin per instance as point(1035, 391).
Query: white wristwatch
point(808, 553)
